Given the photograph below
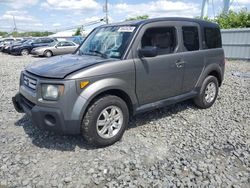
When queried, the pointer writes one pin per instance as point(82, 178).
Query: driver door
point(158, 77)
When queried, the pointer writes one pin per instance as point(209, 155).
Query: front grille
point(29, 82)
point(26, 102)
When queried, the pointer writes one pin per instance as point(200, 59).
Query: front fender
point(101, 86)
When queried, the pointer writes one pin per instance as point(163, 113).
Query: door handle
point(180, 63)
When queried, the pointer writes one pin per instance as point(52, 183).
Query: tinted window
point(65, 43)
point(47, 40)
point(164, 38)
point(190, 38)
point(68, 44)
point(212, 38)
point(37, 41)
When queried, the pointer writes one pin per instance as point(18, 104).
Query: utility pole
point(204, 8)
point(105, 9)
point(14, 21)
point(226, 4)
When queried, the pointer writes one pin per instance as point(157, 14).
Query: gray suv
point(121, 70)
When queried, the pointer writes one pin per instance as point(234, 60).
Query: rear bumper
point(47, 118)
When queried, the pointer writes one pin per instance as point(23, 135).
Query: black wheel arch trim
point(209, 70)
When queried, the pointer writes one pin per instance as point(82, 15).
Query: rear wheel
point(48, 53)
point(24, 52)
point(208, 92)
point(105, 121)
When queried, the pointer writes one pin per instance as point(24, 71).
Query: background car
point(56, 48)
point(9, 46)
point(6, 41)
point(27, 46)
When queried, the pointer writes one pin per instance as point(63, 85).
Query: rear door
point(64, 47)
point(192, 55)
point(70, 47)
point(158, 77)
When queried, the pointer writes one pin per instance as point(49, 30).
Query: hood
point(61, 66)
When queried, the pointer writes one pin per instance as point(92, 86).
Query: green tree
point(143, 17)
point(78, 32)
point(3, 33)
point(233, 19)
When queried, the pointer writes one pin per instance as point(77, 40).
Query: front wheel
point(105, 121)
point(208, 92)
point(48, 53)
point(24, 52)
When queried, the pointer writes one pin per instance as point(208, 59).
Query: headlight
point(52, 92)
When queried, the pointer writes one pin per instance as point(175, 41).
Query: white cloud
point(38, 24)
point(158, 8)
point(56, 24)
point(71, 4)
point(244, 2)
point(18, 4)
point(24, 21)
point(91, 19)
point(19, 16)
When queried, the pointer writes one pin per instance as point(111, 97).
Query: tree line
point(27, 34)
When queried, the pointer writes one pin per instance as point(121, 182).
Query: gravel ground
point(177, 146)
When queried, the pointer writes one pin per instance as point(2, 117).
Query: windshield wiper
point(103, 55)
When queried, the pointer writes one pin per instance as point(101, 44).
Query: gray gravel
point(177, 146)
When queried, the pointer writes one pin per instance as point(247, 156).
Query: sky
point(59, 15)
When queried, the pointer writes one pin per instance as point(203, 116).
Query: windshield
point(107, 42)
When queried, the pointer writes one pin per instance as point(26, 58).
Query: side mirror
point(148, 51)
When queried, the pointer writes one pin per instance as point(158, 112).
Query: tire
point(93, 128)
point(25, 52)
point(48, 53)
point(208, 92)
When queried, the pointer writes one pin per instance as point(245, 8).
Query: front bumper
point(48, 118)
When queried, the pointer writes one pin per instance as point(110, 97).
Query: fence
point(236, 43)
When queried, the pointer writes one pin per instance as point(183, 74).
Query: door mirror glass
point(148, 51)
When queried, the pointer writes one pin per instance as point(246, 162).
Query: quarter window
point(164, 38)
point(212, 38)
point(190, 38)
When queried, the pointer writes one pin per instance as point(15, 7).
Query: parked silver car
point(56, 48)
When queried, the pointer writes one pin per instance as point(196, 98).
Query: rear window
point(212, 38)
point(190, 38)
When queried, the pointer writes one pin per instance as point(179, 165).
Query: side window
point(59, 44)
point(212, 38)
point(47, 40)
point(190, 38)
point(164, 38)
point(68, 44)
point(37, 41)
